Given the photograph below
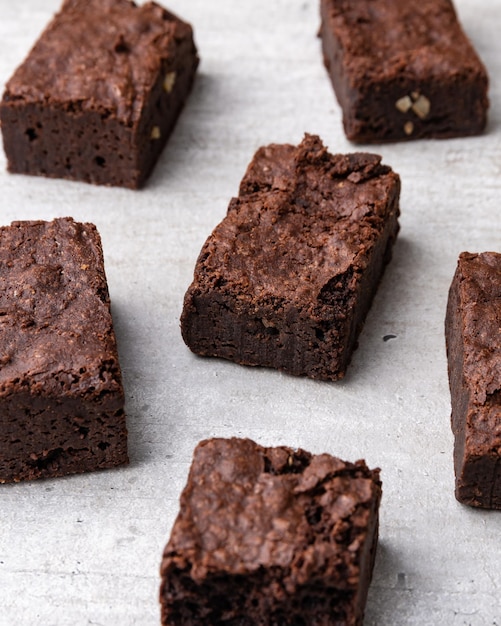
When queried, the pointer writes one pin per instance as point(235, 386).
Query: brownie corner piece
point(403, 70)
point(472, 324)
point(287, 278)
point(99, 93)
point(61, 393)
point(270, 536)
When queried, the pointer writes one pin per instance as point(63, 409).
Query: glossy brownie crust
point(270, 536)
point(402, 70)
point(474, 356)
point(61, 396)
point(99, 94)
point(287, 278)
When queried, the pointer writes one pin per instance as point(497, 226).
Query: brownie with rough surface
point(403, 70)
point(270, 536)
point(99, 93)
point(472, 330)
point(288, 276)
point(61, 394)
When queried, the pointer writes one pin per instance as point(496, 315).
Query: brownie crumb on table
point(472, 330)
point(287, 278)
point(270, 536)
point(403, 70)
point(99, 94)
point(61, 393)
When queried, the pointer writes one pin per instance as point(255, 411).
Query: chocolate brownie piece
point(61, 395)
point(99, 94)
point(270, 536)
point(403, 70)
point(472, 330)
point(287, 278)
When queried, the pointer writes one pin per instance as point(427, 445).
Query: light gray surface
point(86, 549)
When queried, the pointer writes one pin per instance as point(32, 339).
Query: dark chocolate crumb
point(388, 337)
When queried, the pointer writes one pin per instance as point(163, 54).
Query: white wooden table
point(86, 549)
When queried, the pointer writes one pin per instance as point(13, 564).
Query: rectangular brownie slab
point(472, 331)
point(403, 70)
point(270, 536)
point(99, 93)
point(61, 394)
point(287, 278)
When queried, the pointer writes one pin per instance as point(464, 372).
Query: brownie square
point(61, 394)
point(287, 278)
point(99, 93)
point(472, 331)
point(403, 70)
point(270, 536)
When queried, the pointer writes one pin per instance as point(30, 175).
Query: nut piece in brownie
point(472, 330)
point(270, 536)
point(287, 278)
point(61, 395)
point(403, 70)
point(99, 93)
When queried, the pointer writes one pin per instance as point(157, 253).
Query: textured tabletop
point(87, 549)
